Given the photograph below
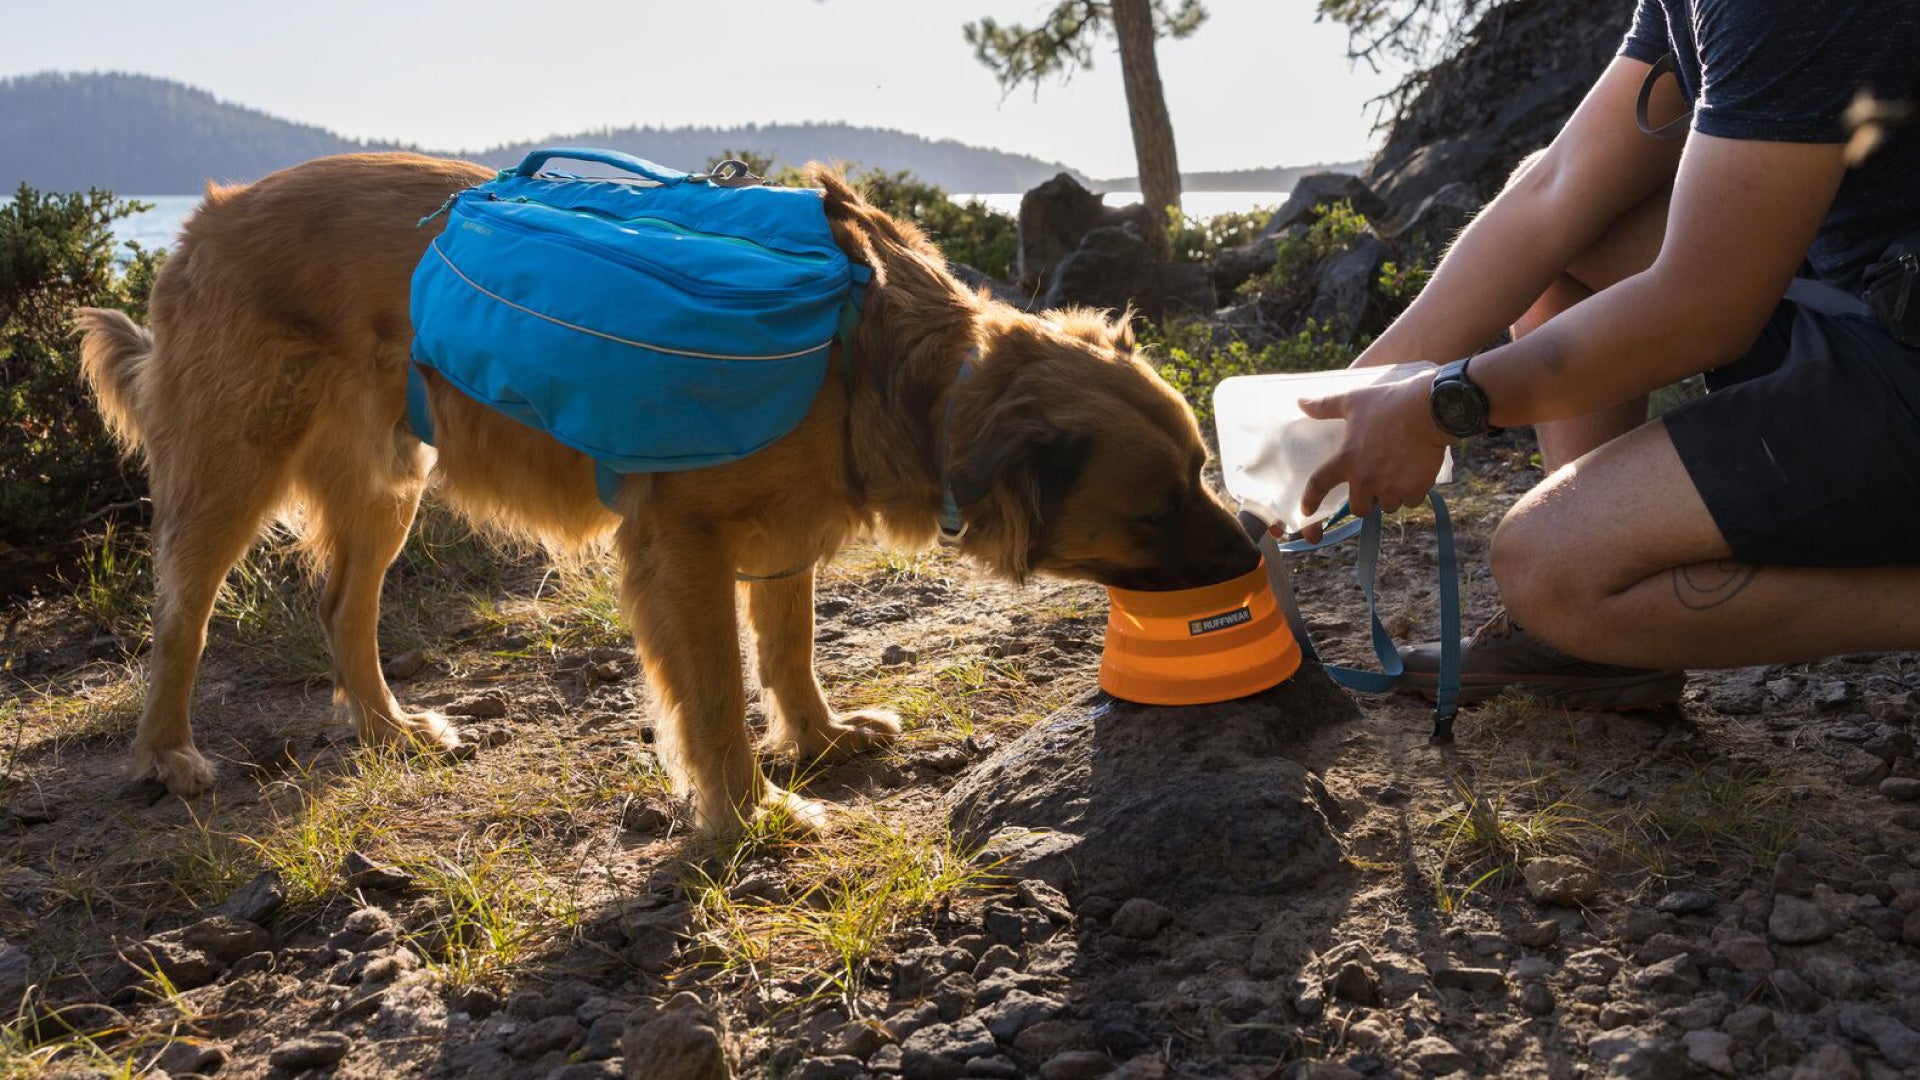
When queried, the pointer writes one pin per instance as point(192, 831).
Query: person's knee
point(1527, 165)
point(1539, 574)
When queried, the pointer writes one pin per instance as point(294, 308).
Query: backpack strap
point(418, 415)
point(1447, 702)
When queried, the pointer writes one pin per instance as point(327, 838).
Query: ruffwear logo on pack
point(1219, 622)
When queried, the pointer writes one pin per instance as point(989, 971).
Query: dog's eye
point(1162, 519)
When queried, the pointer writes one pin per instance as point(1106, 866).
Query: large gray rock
point(1113, 268)
point(1346, 302)
point(1176, 805)
point(1521, 71)
point(1433, 226)
point(1314, 192)
point(1055, 217)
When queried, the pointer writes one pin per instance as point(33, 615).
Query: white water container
point(1269, 448)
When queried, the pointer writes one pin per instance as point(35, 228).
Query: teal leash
point(1447, 700)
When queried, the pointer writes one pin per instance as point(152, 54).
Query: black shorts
point(1807, 450)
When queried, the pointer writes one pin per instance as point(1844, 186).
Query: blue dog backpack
point(655, 321)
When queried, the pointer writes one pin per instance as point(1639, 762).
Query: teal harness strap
point(1447, 702)
point(418, 417)
point(952, 525)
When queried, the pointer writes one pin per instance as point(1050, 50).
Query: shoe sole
point(1654, 690)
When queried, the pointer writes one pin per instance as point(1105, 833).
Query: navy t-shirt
point(1780, 71)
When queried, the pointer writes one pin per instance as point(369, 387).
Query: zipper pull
point(425, 221)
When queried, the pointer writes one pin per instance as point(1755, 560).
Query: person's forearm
point(1628, 340)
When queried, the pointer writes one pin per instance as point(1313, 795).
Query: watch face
point(1457, 409)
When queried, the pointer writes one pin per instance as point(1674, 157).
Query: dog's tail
point(113, 351)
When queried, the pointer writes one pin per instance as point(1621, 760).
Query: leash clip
point(733, 173)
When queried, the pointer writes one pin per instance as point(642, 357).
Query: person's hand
point(1390, 452)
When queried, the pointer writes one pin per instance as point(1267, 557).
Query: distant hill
point(141, 135)
point(1276, 178)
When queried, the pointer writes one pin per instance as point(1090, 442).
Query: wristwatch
point(1459, 405)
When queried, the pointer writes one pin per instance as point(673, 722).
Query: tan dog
point(274, 375)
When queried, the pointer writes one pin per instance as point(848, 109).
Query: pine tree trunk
point(1147, 109)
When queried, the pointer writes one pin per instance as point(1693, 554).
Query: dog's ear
point(1123, 338)
point(1015, 452)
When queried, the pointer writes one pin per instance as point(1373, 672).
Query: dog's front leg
point(678, 594)
point(801, 721)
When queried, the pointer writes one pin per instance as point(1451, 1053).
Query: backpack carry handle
point(641, 167)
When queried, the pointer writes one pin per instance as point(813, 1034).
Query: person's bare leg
point(1617, 560)
point(1628, 248)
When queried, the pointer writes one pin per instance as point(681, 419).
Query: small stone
point(1436, 1055)
point(226, 938)
point(257, 900)
point(1619, 1014)
point(186, 968)
point(1704, 1011)
point(485, 707)
point(1829, 695)
point(678, 1044)
point(1749, 1024)
point(1473, 980)
point(1712, 1050)
point(996, 1067)
point(898, 656)
point(1355, 982)
point(1861, 769)
point(1674, 975)
point(1910, 929)
point(1632, 1052)
point(1828, 1061)
point(1016, 1012)
point(1901, 788)
point(406, 665)
point(1537, 999)
point(1556, 882)
point(363, 873)
point(1660, 947)
point(1686, 902)
point(997, 958)
point(942, 1050)
point(1045, 899)
point(315, 1051)
point(1140, 919)
point(1544, 934)
point(1789, 876)
point(1076, 1065)
point(187, 1056)
point(1741, 951)
point(1594, 967)
point(1897, 1042)
point(1798, 922)
point(541, 1036)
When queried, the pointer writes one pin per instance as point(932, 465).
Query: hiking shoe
point(1501, 654)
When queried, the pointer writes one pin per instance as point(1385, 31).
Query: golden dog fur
point(273, 378)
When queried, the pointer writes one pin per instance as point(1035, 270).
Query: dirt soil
point(1728, 888)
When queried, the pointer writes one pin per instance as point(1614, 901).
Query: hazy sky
point(1260, 84)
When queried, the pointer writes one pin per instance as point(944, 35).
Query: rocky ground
point(1035, 882)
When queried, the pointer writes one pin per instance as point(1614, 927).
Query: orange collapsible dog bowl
point(1197, 646)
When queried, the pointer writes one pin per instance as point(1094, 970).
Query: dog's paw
point(797, 817)
point(844, 736)
point(419, 733)
point(182, 769)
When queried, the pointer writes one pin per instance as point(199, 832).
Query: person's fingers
point(1311, 532)
point(1330, 407)
point(1330, 473)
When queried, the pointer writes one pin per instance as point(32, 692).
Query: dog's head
point(1068, 454)
point(1075, 458)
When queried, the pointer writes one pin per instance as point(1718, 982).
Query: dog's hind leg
point(206, 513)
point(678, 594)
point(801, 721)
point(363, 479)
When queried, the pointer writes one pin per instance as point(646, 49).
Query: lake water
point(160, 226)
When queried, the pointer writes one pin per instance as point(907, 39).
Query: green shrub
point(1201, 239)
point(57, 463)
point(971, 232)
point(1195, 358)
